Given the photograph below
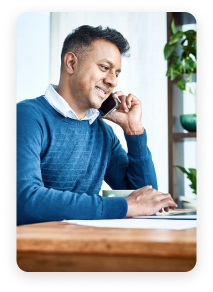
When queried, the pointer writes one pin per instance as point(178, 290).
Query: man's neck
point(65, 93)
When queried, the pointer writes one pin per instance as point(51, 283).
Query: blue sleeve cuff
point(114, 208)
point(137, 144)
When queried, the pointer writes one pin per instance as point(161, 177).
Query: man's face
point(93, 81)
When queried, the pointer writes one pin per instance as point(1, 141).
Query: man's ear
point(70, 62)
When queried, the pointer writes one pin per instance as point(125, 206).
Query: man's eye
point(104, 67)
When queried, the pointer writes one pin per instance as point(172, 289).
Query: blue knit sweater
point(61, 164)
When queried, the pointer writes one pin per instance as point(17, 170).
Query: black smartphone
point(108, 106)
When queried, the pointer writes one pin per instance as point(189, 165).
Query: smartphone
point(108, 106)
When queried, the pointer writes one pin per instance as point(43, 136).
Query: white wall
point(33, 46)
point(143, 74)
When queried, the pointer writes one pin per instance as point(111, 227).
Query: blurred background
point(40, 38)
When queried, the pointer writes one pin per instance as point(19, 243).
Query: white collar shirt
point(61, 106)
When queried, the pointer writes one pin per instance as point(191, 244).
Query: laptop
point(187, 215)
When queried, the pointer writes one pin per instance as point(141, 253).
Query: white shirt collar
point(61, 106)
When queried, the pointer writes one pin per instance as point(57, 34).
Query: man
point(65, 151)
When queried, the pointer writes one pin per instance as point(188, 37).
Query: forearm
point(141, 170)
point(131, 170)
point(39, 204)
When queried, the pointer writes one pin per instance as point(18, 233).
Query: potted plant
point(192, 176)
point(182, 62)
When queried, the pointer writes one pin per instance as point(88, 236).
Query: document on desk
point(138, 223)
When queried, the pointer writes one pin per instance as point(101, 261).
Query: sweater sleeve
point(132, 170)
point(35, 202)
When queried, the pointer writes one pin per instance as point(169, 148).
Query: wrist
point(134, 130)
point(129, 209)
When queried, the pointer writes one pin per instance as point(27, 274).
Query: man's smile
point(101, 91)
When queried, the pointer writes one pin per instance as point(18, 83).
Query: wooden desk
point(62, 247)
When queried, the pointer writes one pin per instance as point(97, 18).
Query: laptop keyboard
point(182, 213)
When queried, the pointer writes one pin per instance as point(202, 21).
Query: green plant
point(192, 176)
point(185, 62)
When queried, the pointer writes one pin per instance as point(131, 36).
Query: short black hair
point(82, 37)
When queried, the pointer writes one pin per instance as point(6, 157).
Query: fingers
point(162, 196)
point(172, 206)
point(126, 101)
point(147, 201)
point(167, 203)
point(122, 98)
point(166, 209)
point(123, 103)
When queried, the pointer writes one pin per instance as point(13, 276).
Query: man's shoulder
point(35, 107)
point(30, 103)
point(31, 110)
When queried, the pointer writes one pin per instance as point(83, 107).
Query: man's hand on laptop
point(147, 201)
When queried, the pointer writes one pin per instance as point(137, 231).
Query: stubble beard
point(95, 101)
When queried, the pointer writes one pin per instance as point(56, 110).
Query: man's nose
point(111, 79)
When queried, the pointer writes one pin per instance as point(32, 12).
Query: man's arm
point(136, 172)
point(35, 202)
point(132, 170)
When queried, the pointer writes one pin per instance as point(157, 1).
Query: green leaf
point(192, 176)
point(173, 26)
point(182, 169)
point(168, 50)
point(193, 50)
point(195, 47)
point(175, 59)
point(175, 37)
point(186, 50)
point(190, 91)
point(193, 172)
point(195, 65)
point(190, 64)
point(182, 84)
point(174, 70)
point(191, 37)
point(190, 34)
point(183, 41)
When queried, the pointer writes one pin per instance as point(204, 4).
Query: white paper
point(137, 223)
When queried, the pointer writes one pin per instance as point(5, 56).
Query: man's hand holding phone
point(128, 114)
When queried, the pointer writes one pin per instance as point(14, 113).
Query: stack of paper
point(177, 220)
